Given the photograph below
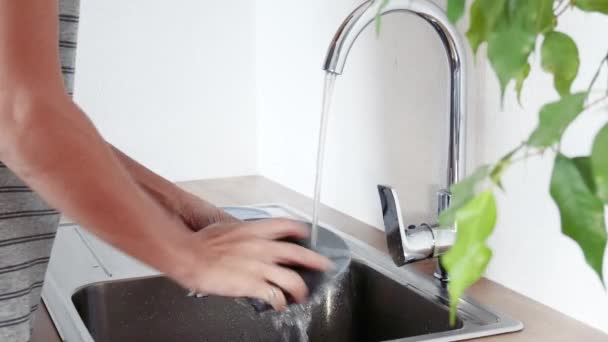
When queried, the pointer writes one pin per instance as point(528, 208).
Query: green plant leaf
point(545, 18)
point(532, 15)
point(467, 260)
point(461, 193)
point(599, 163)
point(508, 51)
point(455, 10)
point(379, 16)
point(521, 78)
point(485, 15)
point(559, 56)
point(583, 164)
point(555, 117)
point(592, 5)
point(581, 212)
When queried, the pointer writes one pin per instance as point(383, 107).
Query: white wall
point(388, 115)
point(172, 83)
point(530, 254)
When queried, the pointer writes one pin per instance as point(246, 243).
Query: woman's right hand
point(244, 259)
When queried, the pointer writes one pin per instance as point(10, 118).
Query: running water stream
point(297, 317)
point(328, 90)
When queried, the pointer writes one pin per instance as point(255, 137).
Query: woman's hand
point(244, 259)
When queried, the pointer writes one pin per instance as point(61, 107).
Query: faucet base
point(441, 273)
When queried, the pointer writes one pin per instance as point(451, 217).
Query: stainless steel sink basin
point(366, 306)
point(96, 293)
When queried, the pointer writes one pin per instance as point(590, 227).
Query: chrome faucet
point(408, 243)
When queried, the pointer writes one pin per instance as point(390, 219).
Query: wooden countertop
point(541, 322)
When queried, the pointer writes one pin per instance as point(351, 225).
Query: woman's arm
point(195, 212)
point(48, 142)
point(54, 148)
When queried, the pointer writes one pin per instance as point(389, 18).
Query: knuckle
point(303, 254)
point(256, 248)
point(281, 253)
point(250, 246)
point(295, 283)
point(292, 252)
point(223, 258)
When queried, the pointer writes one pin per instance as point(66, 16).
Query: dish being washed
point(329, 245)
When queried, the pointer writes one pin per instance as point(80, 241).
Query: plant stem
point(525, 157)
point(597, 74)
point(560, 11)
point(596, 102)
point(528, 155)
point(557, 148)
point(558, 4)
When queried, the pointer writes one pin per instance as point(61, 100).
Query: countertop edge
point(541, 322)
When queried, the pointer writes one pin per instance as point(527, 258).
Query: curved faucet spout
point(335, 61)
point(365, 14)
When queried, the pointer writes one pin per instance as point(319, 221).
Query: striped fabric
point(27, 224)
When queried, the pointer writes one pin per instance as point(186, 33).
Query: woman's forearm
point(58, 152)
point(49, 143)
point(163, 191)
point(174, 199)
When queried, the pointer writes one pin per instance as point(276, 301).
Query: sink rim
point(58, 292)
point(362, 276)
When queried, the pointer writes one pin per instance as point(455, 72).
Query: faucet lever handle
point(405, 243)
point(393, 223)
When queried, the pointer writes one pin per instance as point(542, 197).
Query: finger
point(237, 282)
point(274, 229)
point(228, 282)
point(288, 280)
point(273, 296)
point(260, 286)
point(292, 254)
point(278, 252)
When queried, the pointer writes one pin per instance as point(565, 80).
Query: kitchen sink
point(365, 306)
point(109, 297)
